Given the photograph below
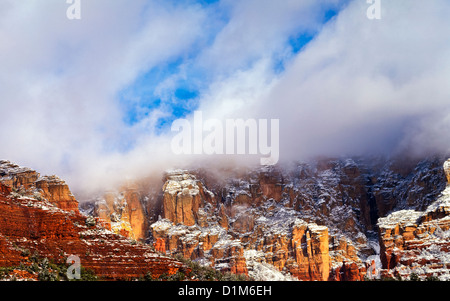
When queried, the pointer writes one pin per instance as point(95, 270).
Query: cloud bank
point(92, 100)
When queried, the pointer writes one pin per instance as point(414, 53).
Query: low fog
point(358, 87)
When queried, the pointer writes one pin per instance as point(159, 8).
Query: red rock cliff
point(27, 182)
point(417, 241)
point(42, 225)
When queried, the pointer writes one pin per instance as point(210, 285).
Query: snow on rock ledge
point(404, 218)
point(417, 242)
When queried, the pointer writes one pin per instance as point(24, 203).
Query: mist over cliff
point(92, 100)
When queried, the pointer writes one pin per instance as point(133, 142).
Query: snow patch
point(261, 271)
point(403, 217)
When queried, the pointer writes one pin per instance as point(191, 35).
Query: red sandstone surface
point(39, 226)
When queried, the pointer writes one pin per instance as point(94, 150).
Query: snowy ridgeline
point(411, 217)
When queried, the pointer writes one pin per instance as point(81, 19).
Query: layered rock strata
point(27, 182)
point(317, 221)
point(36, 224)
point(418, 241)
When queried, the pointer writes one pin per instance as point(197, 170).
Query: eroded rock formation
point(315, 221)
point(417, 241)
point(27, 182)
point(33, 220)
point(123, 212)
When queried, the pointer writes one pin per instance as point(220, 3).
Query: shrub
point(432, 278)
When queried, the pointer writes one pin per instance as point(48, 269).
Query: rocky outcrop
point(27, 182)
point(37, 226)
point(123, 212)
point(183, 197)
point(417, 241)
point(348, 272)
point(210, 244)
point(57, 192)
point(285, 218)
point(136, 211)
point(311, 252)
point(312, 221)
point(16, 177)
point(222, 240)
point(319, 221)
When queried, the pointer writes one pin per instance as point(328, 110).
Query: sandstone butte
point(39, 214)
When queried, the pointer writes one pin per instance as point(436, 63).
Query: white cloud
point(258, 29)
point(60, 78)
point(364, 86)
point(359, 85)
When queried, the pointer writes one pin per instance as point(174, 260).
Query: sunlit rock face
point(37, 217)
point(123, 212)
point(182, 198)
point(27, 182)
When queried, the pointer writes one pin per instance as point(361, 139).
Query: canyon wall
point(39, 216)
point(418, 241)
point(252, 220)
point(325, 220)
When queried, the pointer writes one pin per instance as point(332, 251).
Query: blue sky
point(142, 96)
